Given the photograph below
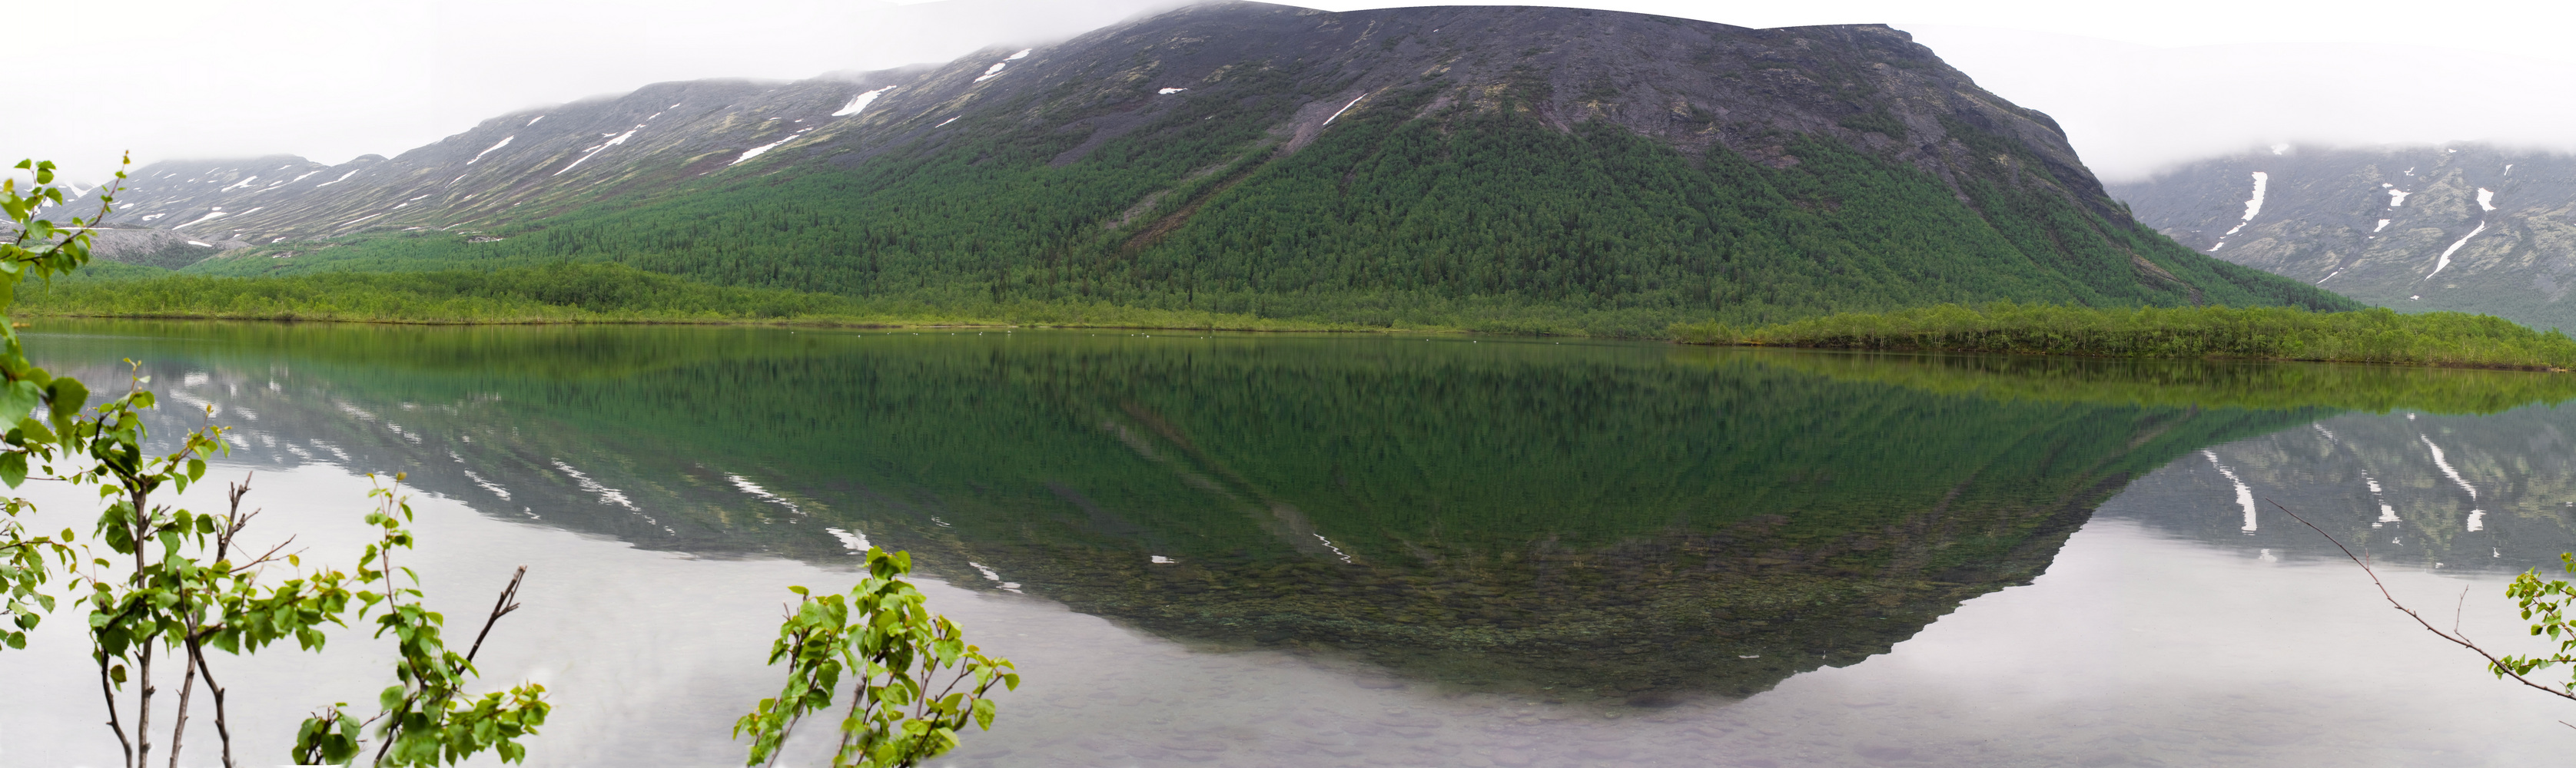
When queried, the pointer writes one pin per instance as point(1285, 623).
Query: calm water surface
point(1320, 551)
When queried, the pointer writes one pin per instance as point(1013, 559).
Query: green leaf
point(69, 396)
point(19, 398)
point(35, 431)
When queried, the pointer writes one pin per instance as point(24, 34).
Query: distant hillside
point(1534, 168)
point(2464, 227)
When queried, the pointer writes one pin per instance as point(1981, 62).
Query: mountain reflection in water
point(1643, 522)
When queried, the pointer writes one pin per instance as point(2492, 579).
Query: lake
point(1309, 550)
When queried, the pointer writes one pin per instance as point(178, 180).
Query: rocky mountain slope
point(2464, 227)
point(1280, 161)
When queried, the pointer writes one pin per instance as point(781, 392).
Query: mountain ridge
point(2467, 227)
point(1461, 156)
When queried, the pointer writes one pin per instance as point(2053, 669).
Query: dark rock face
point(2476, 228)
point(1686, 82)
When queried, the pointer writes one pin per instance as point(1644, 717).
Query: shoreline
point(2106, 356)
point(20, 318)
point(1988, 338)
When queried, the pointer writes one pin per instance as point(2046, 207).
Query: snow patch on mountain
point(505, 141)
point(594, 151)
point(996, 70)
point(1345, 108)
point(2445, 260)
point(756, 151)
point(863, 100)
point(199, 219)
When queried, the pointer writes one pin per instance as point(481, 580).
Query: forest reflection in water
point(1604, 527)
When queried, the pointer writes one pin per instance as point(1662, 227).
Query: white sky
point(2137, 86)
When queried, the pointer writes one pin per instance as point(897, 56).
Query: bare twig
point(2457, 609)
point(234, 522)
point(187, 688)
point(114, 722)
point(223, 730)
point(500, 608)
point(2493, 663)
point(267, 556)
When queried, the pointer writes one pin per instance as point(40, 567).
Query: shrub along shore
point(614, 293)
point(2449, 339)
point(563, 294)
point(609, 292)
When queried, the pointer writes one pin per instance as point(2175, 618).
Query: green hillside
point(1457, 218)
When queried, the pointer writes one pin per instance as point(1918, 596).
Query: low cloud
point(2132, 110)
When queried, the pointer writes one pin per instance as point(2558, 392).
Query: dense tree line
point(2376, 335)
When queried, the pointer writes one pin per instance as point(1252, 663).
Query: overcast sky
point(2137, 85)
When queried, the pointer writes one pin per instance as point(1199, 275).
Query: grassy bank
point(606, 292)
point(565, 293)
point(2268, 333)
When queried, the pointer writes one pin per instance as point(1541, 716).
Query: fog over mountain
point(2136, 91)
point(2135, 110)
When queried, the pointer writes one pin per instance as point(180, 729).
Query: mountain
point(1538, 168)
point(2466, 227)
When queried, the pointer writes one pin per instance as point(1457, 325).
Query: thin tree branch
point(265, 557)
point(187, 688)
point(142, 653)
point(789, 729)
point(856, 698)
point(234, 522)
point(2457, 609)
point(114, 722)
point(500, 608)
point(223, 730)
point(2492, 662)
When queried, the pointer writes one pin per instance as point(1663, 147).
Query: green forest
point(1457, 217)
